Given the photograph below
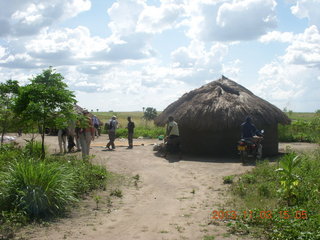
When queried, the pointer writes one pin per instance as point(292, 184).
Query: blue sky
point(123, 55)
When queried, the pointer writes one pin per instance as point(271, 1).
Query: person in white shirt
point(172, 137)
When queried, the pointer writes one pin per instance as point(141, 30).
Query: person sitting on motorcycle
point(248, 130)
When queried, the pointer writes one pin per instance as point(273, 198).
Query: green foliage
point(288, 180)
point(116, 193)
point(301, 130)
point(33, 149)
point(148, 132)
point(43, 99)
point(38, 188)
point(34, 188)
point(87, 176)
point(150, 113)
point(271, 213)
point(8, 93)
point(228, 179)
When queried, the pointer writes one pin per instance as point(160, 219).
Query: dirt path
point(172, 200)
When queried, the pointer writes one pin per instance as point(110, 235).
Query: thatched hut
point(209, 118)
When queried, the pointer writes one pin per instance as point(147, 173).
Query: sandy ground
point(172, 200)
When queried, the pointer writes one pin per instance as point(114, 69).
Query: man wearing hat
point(113, 124)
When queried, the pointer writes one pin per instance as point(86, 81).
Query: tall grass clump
point(86, 176)
point(38, 188)
point(35, 188)
point(283, 198)
point(34, 148)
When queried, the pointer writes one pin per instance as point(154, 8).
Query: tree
point(44, 98)
point(150, 113)
point(8, 92)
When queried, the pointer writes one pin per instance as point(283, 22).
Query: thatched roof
point(221, 104)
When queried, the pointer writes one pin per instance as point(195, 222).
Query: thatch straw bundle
point(220, 106)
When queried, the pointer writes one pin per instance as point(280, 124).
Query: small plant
point(136, 177)
point(207, 237)
point(263, 190)
point(136, 180)
point(109, 202)
point(116, 193)
point(248, 178)
point(289, 181)
point(228, 179)
point(193, 191)
point(97, 199)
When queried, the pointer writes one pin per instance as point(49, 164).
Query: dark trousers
point(173, 144)
point(71, 143)
point(112, 137)
point(130, 139)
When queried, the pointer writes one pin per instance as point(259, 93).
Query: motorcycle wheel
point(259, 152)
point(243, 156)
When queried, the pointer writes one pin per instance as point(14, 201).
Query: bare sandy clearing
point(172, 200)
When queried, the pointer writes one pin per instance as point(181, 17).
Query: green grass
point(143, 128)
point(38, 188)
point(305, 127)
point(264, 194)
point(33, 188)
point(304, 116)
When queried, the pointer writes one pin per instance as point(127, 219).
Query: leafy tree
point(150, 113)
point(43, 99)
point(8, 92)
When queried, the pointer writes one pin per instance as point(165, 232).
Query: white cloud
point(28, 17)
point(308, 9)
point(124, 15)
point(285, 37)
point(305, 49)
point(157, 19)
point(232, 20)
point(198, 64)
point(292, 80)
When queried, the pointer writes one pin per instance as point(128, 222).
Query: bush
point(38, 188)
point(34, 149)
point(269, 192)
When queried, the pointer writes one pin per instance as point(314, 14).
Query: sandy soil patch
point(172, 200)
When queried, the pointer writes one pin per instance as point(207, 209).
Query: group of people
point(80, 133)
point(86, 128)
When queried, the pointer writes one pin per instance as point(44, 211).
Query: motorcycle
point(251, 147)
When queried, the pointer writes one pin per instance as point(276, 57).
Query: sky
point(123, 55)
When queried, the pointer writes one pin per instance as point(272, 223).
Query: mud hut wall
point(224, 142)
point(209, 142)
point(270, 141)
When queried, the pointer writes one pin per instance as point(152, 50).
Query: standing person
point(96, 124)
point(62, 139)
point(130, 127)
point(172, 137)
point(72, 136)
point(113, 124)
point(85, 133)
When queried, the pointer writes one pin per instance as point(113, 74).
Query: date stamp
point(248, 214)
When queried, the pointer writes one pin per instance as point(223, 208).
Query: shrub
point(228, 179)
point(38, 188)
point(295, 211)
point(33, 149)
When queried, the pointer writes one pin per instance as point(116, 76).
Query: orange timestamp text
point(248, 214)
